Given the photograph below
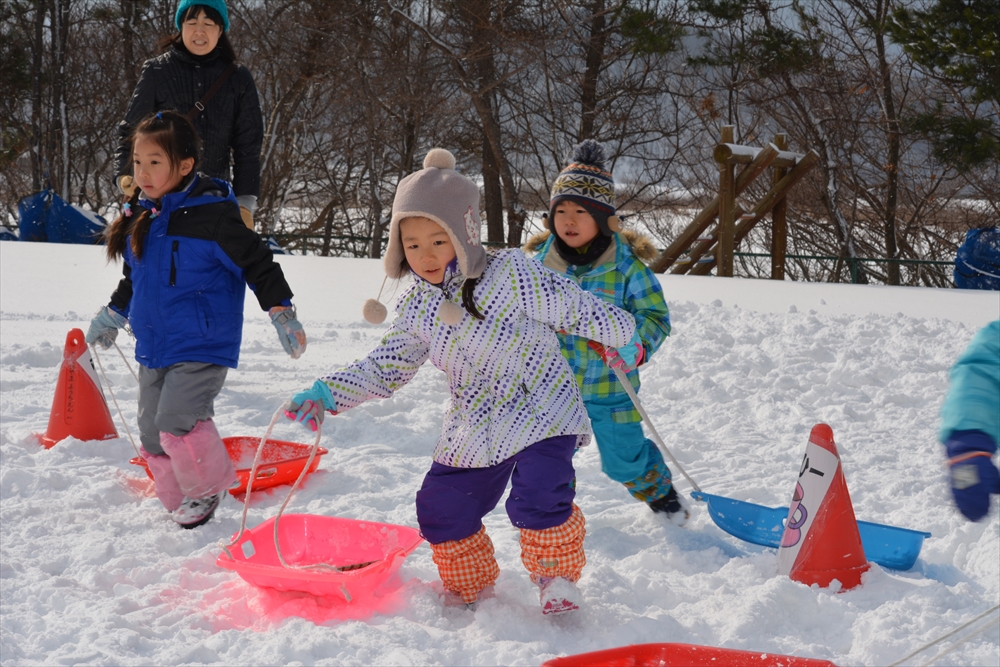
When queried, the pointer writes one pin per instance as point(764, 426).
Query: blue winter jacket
point(184, 298)
point(973, 401)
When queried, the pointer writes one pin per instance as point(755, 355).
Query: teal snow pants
point(627, 455)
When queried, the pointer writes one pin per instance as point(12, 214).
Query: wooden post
point(763, 159)
point(764, 206)
point(727, 202)
point(779, 226)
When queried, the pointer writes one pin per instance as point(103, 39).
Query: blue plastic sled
point(891, 547)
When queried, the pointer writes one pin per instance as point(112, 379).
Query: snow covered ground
point(93, 572)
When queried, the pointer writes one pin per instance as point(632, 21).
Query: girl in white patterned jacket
point(515, 413)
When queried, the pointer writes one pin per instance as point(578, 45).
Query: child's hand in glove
point(973, 475)
point(104, 327)
point(290, 332)
point(626, 358)
point(309, 407)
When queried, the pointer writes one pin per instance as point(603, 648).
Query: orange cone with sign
point(78, 409)
point(821, 541)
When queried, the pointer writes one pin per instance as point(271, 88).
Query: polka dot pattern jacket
point(510, 385)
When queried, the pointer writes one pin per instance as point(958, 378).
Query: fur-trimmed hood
point(642, 247)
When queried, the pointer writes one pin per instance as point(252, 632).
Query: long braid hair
point(468, 298)
point(177, 137)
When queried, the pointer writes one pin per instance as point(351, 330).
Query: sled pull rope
point(253, 475)
point(953, 632)
point(125, 359)
point(115, 400)
point(627, 386)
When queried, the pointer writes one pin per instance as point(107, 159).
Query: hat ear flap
point(614, 223)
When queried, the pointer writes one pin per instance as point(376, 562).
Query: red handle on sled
point(599, 349)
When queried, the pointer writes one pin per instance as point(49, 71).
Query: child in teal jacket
point(585, 243)
point(970, 423)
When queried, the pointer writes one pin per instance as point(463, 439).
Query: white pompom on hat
point(374, 311)
point(439, 193)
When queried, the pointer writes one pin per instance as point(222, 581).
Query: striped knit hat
point(587, 182)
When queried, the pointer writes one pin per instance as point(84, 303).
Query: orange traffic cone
point(821, 541)
point(79, 408)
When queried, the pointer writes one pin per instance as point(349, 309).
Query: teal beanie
point(217, 5)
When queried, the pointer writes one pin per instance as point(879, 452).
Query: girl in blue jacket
point(187, 256)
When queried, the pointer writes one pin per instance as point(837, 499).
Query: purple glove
point(973, 475)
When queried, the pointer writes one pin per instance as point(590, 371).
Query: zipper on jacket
point(173, 264)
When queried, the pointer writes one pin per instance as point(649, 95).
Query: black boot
point(672, 506)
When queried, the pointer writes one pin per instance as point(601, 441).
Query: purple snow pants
point(452, 502)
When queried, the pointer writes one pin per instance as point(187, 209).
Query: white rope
point(127, 364)
point(961, 641)
point(946, 636)
point(110, 391)
point(253, 475)
point(623, 379)
point(985, 273)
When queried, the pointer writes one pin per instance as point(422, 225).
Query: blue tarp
point(45, 216)
point(977, 263)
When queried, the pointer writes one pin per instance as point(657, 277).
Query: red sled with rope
point(681, 655)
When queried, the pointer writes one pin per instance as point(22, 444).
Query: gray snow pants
point(175, 398)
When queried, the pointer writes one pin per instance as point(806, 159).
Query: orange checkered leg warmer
point(556, 551)
point(467, 566)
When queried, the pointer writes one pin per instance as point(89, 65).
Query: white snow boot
point(195, 512)
point(559, 595)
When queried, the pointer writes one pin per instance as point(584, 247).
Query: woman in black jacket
point(199, 59)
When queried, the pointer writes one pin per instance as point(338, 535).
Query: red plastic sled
point(281, 462)
point(681, 655)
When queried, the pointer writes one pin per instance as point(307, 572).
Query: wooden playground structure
point(692, 251)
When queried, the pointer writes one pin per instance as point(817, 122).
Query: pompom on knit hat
point(586, 181)
point(217, 5)
point(441, 194)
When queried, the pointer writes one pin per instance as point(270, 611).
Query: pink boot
point(164, 481)
point(201, 462)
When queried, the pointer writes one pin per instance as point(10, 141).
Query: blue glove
point(309, 407)
point(629, 357)
point(290, 332)
point(973, 475)
point(104, 327)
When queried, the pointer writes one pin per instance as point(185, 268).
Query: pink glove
point(626, 358)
